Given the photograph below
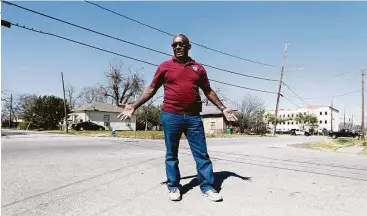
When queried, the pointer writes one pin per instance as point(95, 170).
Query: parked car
point(88, 125)
point(298, 132)
point(344, 133)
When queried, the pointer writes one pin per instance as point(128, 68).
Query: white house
point(213, 119)
point(327, 117)
point(103, 114)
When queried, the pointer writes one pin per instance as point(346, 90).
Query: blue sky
point(326, 39)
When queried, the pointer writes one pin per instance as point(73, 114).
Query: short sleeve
point(158, 78)
point(204, 83)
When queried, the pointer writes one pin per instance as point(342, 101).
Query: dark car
point(344, 133)
point(88, 125)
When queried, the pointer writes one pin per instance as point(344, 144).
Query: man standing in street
point(182, 77)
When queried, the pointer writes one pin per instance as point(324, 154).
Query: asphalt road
point(48, 174)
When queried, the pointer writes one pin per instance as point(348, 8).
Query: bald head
point(184, 38)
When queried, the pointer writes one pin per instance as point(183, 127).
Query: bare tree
point(219, 93)
point(93, 94)
point(20, 105)
point(73, 97)
point(122, 86)
point(249, 112)
point(5, 108)
point(24, 102)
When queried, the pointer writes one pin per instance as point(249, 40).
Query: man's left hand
point(229, 114)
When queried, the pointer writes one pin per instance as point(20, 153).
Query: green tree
point(46, 112)
point(306, 119)
point(149, 116)
point(270, 118)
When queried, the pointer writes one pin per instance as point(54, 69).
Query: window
point(320, 113)
point(106, 120)
point(212, 124)
point(288, 123)
point(320, 122)
point(288, 115)
point(325, 113)
point(292, 122)
point(325, 121)
point(292, 115)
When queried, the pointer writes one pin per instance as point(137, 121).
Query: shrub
point(24, 125)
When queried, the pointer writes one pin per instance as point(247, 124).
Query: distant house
point(103, 114)
point(18, 118)
point(213, 119)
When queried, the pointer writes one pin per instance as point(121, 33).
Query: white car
point(301, 132)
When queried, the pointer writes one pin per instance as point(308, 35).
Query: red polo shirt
point(181, 85)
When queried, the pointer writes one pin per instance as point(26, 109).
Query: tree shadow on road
point(219, 178)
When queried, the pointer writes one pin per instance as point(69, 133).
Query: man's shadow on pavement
point(219, 178)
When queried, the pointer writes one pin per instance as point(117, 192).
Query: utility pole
point(11, 109)
point(344, 119)
point(66, 115)
point(331, 114)
point(279, 88)
point(362, 104)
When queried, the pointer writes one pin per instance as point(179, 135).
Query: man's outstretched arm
point(150, 91)
point(213, 97)
point(147, 94)
point(129, 109)
point(228, 112)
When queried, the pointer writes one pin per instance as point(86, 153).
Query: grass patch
point(139, 134)
point(333, 144)
point(121, 134)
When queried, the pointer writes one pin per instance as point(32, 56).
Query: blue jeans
point(192, 126)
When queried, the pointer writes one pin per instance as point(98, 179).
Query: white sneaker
point(213, 195)
point(174, 195)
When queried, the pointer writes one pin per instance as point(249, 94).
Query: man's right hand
point(127, 112)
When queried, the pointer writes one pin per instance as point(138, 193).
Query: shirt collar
point(191, 61)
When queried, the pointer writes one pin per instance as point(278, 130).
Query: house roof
point(211, 110)
point(99, 106)
point(310, 107)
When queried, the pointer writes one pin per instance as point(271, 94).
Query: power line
point(335, 76)
point(131, 43)
point(125, 56)
point(350, 93)
point(342, 95)
point(289, 100)
point(170, 34)
point(246, 87)
point(295, 93)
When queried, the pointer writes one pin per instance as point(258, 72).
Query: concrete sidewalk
point(58, 175)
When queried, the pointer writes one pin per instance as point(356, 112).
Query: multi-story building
point(327, 118)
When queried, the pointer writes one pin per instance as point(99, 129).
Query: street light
point(294, 69)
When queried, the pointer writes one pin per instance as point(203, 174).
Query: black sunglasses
point(179, 43)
